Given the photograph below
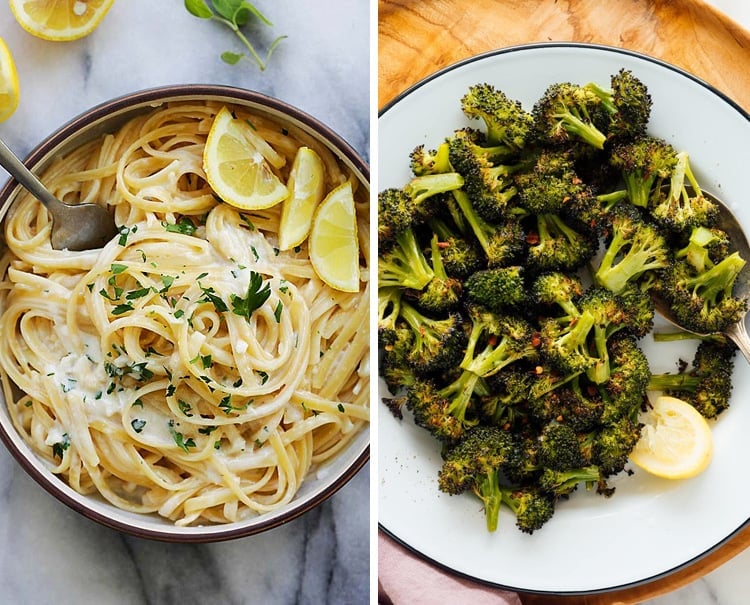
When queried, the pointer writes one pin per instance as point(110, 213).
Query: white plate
point(650, 527)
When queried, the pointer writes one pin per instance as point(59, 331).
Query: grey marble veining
point(51, 554)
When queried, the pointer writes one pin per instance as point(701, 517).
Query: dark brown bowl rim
point(56, 487)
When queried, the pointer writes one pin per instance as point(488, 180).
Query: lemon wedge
point(306, 189)
point(676, 442)
point(236, 162)
point(333, 244)
point(9, 89)
point(60, 20)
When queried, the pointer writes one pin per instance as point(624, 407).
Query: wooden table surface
point(418, 37)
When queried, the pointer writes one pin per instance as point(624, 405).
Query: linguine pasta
point(142, 371)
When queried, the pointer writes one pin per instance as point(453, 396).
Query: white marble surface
point(50, 554)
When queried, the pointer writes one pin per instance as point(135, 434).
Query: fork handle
point(738, 333)
point(25, 177)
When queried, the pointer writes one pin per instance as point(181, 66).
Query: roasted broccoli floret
point(624, 393)
point(633, 247)
point(682, 206)
point(568, 112)
point(563, 482)
point(550, 184)
point(559, 447)
point(461, 255)
point(497, 340)
point(401, 209)
point(489, 185)
point(571, 400)
point(438, 343)
point(532, 507)
point(645, 164)
point(443, 292)
point(500, 290)
point(424, 161)
point(482, 451)
point(706, 246)
point(475, 462)
point(506, 405)
point(554, 245)
point(503, 243)
point(610, 446)
point(433, 410)
point(708, 383)
point(557, 289)
point(404, 265)
point(506, 121)
point(703, 301)
point(628, 103)
point(592, 210)
point(389, 307)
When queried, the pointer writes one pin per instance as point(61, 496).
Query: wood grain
point(419, 37)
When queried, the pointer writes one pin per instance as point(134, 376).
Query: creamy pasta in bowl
point(190, 381)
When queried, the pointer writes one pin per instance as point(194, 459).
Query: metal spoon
point(738, 331)
point(74, 227)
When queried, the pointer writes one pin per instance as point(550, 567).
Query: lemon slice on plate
point(306, 189)
point(60, 20)
point(8, 83)
point(236, 162)
point(334, 248)
point(676, 442)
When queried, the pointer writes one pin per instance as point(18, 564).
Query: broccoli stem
point(405, 265)
point(478, 226)
point(460, 392)
point(673, 382)
point(573, 124)
point(488, 491)
point(599, 373)
point(718, 280)
point(422, 187)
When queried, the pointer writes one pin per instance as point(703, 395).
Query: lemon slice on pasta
point(60, 20)
point(236, 162)
point(676, 442)
point(306, 185)
point(8, 83)
point(333, 243)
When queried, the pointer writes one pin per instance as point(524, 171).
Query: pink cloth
point(406, 579)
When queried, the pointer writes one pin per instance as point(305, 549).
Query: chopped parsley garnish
point(179, 438)
point(185, 407)
point(123, 308)
point(140, 293)
point(257, 294)
point(277, 312)
point(209, 295)
point(184, 225)
point(167, 281)
point(137, 424)
point(60, 447)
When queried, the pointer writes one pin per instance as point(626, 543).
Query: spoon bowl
point(74, 227)
point(727, 222)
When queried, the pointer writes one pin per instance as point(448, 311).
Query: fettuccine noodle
point(132, 370)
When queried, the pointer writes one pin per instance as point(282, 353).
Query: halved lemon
point(60, 20)
point(333, 244)
point(236, 162)
point(306, 185)
point(676, 441)
point(9, 89)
